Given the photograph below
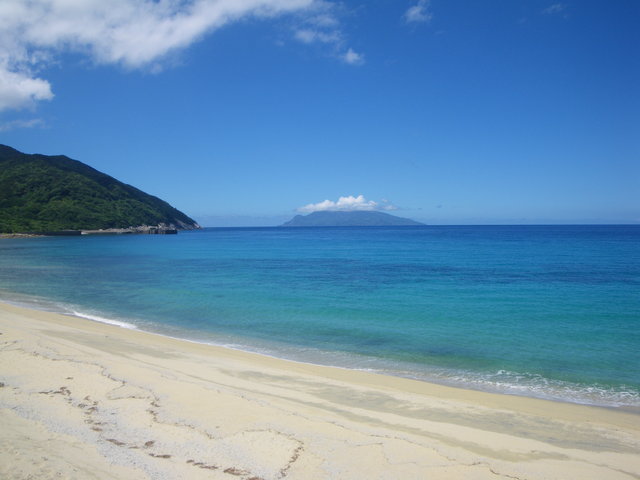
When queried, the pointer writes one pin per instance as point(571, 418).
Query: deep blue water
point(545, 311)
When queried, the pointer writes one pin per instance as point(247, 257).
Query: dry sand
point(84, 400)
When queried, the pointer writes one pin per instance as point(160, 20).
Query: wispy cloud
point(418, 13)
point(347, 204)
point(306, 35)
point(16, 124)
point(130, 33)
point(323, 27)
point(555, 9)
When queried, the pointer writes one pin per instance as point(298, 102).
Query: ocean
point(543, 311)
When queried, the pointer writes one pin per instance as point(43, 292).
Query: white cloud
point(130, 33)
point(346, 204)
point(19, 90)
point(419, 13)
point(353, 58)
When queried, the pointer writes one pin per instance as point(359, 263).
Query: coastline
point(472, 325)
point(562, 393)
point(123, 403)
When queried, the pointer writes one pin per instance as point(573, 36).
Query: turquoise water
point(543, 311)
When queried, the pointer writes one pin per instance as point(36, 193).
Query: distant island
point(349, 219)
point(41, 193)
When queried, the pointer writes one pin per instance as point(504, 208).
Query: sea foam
point(110, 321)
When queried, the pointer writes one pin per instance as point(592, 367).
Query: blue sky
point(242, 112)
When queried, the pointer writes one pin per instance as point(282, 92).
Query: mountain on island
point(41, 193)
point(361, 218)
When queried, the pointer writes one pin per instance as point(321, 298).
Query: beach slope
point(80, 399)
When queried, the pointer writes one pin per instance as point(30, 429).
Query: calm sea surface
point(543, 311)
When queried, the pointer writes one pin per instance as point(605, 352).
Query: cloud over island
point(347, 204)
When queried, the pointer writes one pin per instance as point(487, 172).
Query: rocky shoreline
point(145, 230)
point(139, 230)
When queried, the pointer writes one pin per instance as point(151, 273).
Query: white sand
point(80, 399)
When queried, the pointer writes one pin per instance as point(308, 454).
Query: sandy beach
point(81, 399)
